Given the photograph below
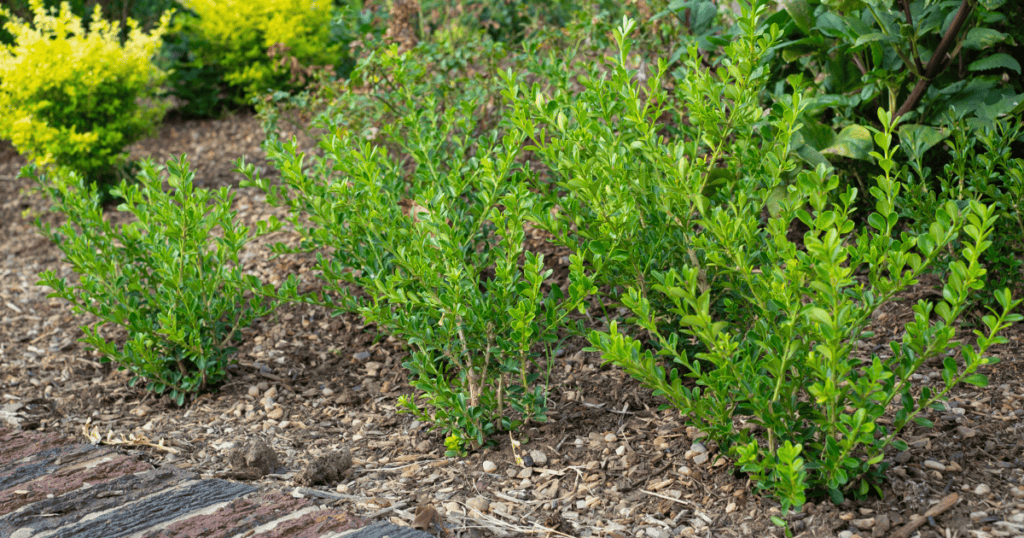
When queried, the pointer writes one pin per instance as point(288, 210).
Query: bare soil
point(608, 463)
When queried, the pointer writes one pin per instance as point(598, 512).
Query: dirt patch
point(309, 385)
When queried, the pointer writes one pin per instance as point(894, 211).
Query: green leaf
point(999, 60)
point(801, 12)
point(873, 37)
point(983, 38)
point(992, 5)
point(854, 141)
point(978, 380)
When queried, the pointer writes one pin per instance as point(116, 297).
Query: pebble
point(1017, 492)
point(620, 451)
point(978, 516)
point(864, 524)
point(610, 438)
point(490, 467)
point(271, 392)
point(966, 432)
point(327, 392)
point(982, 489)
point(846, 534)
point(539, 457)
point(453, 507)
point(525, 473)
point(730, 508)
point(1016, 518)
point(275, 413)
point(903, 457)
point(932, 464)
point(254, 392)
point(699, 448)
point(262, 386)
point(511, 472)
point(700, 459)
point(882, 524)
point(361, 356)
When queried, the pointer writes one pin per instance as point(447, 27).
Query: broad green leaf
point(983, 38)
point(916, 139)
point(802, 13)
point(844, 6)
point(992, 5)
point(854, 141)
point(999, 60)
point(872, 37)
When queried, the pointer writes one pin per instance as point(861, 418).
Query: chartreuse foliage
point(778, 387)
point(73, 96)
point(171, 278)
point(424, 212)
point(233, 38)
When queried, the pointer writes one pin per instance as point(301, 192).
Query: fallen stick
point(946, 503)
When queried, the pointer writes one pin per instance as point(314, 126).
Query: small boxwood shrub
point(75, 96)
point(170, 278)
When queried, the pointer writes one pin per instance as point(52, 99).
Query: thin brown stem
point(938, 60)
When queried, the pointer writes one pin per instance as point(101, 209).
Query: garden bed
point(608, 462)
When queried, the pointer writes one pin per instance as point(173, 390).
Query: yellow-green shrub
point(73, 96)
point(236, 35)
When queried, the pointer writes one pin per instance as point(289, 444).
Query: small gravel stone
point(700, 459)
point(730, 508)
point(982, 489)
point(978, 516)
point(539, 457)
point(361, 356)
point(882, 524)
point(610, 438)
point(271, 392)
point(846, 534)
point(275, 413)
point(903, 457)
point(1017, 492)
point(262, 386)
point(698, 448)
point(479, 503)
point(490, 467)
point(864, 524)
point(511, 472)
point(327, 392)
point(966, 432)
point(620, 451)
point(528, 461)
point(932, 464)
point(254, 391)
point(1016, 518)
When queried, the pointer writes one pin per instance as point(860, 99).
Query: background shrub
point(232, 39)
point(75, 96)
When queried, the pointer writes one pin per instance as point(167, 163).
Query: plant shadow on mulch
point(608, 463)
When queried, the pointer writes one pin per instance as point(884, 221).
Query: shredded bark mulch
point(320, 390)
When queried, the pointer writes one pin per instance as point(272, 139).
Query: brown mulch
point(608, 463)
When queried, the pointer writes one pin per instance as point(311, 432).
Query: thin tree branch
point(938, 60)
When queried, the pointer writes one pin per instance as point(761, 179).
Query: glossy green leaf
point(854, 141)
